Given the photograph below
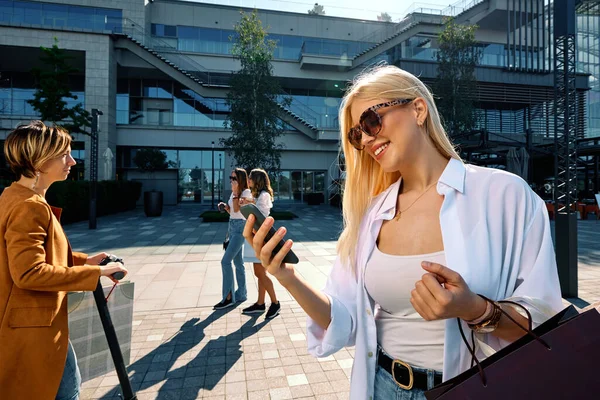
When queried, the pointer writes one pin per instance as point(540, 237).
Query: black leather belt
point(404, 375)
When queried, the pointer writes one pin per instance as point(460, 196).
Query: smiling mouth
point(380, 149)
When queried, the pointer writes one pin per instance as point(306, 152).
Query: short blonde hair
point(364, 177)
point(30, 145)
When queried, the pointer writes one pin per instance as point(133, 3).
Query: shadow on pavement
point(203, 372)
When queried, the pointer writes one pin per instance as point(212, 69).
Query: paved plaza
point(182, 349)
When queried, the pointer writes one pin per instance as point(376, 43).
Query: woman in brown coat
point(37, 269)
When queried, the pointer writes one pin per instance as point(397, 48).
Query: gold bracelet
point(490, 324)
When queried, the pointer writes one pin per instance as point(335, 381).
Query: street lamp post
point(212, 206)
point(93, 166)
point(220, 175)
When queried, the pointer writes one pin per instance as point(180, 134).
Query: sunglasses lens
point(354, 137)
point(370, 123)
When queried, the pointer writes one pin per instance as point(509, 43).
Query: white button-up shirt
point(496, 235)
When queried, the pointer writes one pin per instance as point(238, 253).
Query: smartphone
point(251, 209)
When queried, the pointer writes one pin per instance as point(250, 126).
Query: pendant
point(398, 216)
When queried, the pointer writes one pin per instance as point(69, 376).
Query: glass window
point(308, 182)
point(191, 159)
point(149, 88)
point(170, 31)
point(284, 186)
point(6, 10)
point(296, 181)
point(291, 46)
point(135, 87)
point(80, 17)
point(32, 13)
point(187, 32)
point(164, 89)
point(320, 182)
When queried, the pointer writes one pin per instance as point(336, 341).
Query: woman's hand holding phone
point(246, 200)
point(273, 264)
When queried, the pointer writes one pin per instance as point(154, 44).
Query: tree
point(317, 10)
point(151, 159)
point(254, 117)
point(384, 17)
point(456, 84)
point(53, 89)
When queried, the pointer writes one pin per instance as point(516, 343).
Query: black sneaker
point(224, 304)
point(273, 310)
point(254, 309)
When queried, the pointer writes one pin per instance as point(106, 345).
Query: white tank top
point(401, 331)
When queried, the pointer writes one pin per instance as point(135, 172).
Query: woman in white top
point(263, 199)
point(233, 253)
point(412, 259)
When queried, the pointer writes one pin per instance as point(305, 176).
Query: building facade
point(159, 73)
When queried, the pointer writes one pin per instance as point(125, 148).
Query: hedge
point(74, 198)
point(216, 216)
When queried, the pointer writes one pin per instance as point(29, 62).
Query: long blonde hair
point(364, 177)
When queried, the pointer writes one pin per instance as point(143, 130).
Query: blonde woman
point(37, 269)
point(424, 234)
point(262, 196)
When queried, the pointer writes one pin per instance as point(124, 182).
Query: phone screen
point(251, 209)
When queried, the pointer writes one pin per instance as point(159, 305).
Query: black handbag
point(226, 242)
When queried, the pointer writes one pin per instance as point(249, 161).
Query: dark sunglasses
point(233, 178)
point(370, 122)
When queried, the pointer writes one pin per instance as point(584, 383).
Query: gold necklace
point(411, 204)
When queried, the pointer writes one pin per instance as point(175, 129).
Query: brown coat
point(37, 269)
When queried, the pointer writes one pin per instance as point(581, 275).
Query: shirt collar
point(453, 177)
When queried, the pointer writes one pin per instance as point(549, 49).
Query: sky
point(358, 9)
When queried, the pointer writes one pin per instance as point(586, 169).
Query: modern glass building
point(159, 72)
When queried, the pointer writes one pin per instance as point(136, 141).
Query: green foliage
point(52, 88)
point(74, 198)
point(456, 84)
point(384, 17)
point(317, 10)
point(217, 216)
point(254, 117)
point(151, 159)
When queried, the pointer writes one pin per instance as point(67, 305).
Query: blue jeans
point(234, 254)
point(387, 389)
point(71, 379)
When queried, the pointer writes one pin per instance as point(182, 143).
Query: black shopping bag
point(563, 362)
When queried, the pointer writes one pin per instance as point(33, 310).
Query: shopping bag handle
point(528, 330)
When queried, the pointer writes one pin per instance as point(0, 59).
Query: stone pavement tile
point(335, 375)
point(259, 395)
point(283, 393)
point(254, 385)
point(301, 391)
point(274, 372)
point(330, 365)
point(293, 369)
point(341, 385)
point(316, 377)
point(297, 380)
point(312, 367)
point(275, 362)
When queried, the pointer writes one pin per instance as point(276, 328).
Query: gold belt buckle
point(410, 372)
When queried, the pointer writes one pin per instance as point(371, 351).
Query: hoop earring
point(37, 177)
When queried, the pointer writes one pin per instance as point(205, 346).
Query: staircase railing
point(415, 15)
point(172, 54)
